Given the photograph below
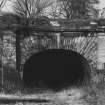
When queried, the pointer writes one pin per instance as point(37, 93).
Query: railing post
point(2, 68)
point(58, 40)
point(18, 51)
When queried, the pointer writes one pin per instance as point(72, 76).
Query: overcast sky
point(102, 4)
point(8, 5)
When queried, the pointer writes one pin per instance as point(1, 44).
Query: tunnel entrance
point(56, 69)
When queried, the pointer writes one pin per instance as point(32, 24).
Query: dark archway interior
point(56, 69)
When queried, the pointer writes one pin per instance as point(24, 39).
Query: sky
point(8, 5)
point(102, 4)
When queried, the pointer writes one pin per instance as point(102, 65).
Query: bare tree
point(2, 4)
point(30, 8)
point(72, 9)
point(54, 11)
point(103, 13)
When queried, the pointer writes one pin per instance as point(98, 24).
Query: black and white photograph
point(52, 52)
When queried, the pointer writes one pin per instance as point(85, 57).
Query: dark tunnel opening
point(56, 69)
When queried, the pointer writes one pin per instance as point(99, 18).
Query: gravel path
point(68, 97)
point(94, 95)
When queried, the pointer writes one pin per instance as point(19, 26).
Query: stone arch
point(86, 46)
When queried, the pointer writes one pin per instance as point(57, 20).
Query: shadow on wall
point(56, 69)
